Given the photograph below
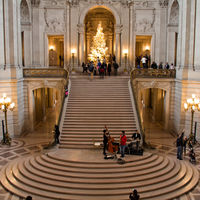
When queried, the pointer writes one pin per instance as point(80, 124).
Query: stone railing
point(44, 73)
point(153, 73)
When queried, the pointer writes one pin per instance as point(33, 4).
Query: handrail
point(63, 99)
point(142, 130)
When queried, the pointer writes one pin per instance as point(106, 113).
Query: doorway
point(143, 48)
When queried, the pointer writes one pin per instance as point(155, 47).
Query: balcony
point(45, 73)
point(153, 73)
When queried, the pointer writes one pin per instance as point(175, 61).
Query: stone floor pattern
point(34, 143)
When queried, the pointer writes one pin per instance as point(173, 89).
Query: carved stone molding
point(24, 12)
point(153, 84)
point(35, 3)
point(163, 3)
point(174, 15)
point(54, 3)
point(55, 22)
point(143, 4)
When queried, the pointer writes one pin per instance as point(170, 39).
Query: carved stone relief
point(143, 4)
point(145, 25)
point(174, 15)
point(163, 3)
point(35, 3)
point(54, 20)
point(24, 12)
point(54, 3)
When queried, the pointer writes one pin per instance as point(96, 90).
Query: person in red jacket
point(123, 140)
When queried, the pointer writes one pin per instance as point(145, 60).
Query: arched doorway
point(93, 18)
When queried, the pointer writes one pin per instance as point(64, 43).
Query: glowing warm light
point(147, 48)
point(4, 95)
point(196, 101)
point(73, 51)
point(185, 106)
point(125, 51)
point(51, 47)
point(193, 96)
point(98, 49)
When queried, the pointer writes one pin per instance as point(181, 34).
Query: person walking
point(123, 140)
point(57, 134)
point(179, 145)
point(116, 66)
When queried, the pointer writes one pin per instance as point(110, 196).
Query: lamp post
point(73, 51)
point(125, 57)
point(192, 104)
point(5, 105)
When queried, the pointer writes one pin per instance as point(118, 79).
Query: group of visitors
point(101, 68)
point(145, 60)
point(181, 144)
point(162, 66)
point(111, 146)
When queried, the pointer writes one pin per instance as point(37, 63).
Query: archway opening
point(143, 49)
point(46, 106)
point(93, 18)
point(153, 109)
point(56, 50)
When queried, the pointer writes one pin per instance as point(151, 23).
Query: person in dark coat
point(57, 134)
point(134, 195)
point(105, 140)
point(28, 198)
point(179, 145)
point(109, 68)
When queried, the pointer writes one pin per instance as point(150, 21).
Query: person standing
point(109, 68)
point(144, 60)
point(116, 66)
point(179, 145)
point(134, 195)
point(123, 140)
point(105, 140)
point(136, 137)
point(57, 134)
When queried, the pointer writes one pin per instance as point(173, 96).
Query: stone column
point(118, 44)
point(131, 59)
point(67, 39)
point(88, 45)
point(110, 38)
point(81, 43)
point(2, 50)
point(36, 36)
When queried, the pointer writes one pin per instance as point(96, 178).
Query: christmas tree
point(98, 49)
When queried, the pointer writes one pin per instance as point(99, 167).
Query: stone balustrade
point(44, 73)
point(153, 73)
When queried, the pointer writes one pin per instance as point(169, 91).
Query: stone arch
point(174, 13)
point(107, 7)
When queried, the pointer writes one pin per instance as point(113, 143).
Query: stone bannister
point(153, 73)
point(45, 73)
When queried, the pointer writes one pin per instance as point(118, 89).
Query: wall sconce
point(73, 52)
point(125, 52)
point(52, 48)
point(147, 48)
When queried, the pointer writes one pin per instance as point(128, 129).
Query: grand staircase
point(93, 104)
point(77, 171)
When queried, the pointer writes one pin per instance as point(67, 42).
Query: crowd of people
point(146, 63)
point(101, 68)
point(181, 143)
point(111, 146)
